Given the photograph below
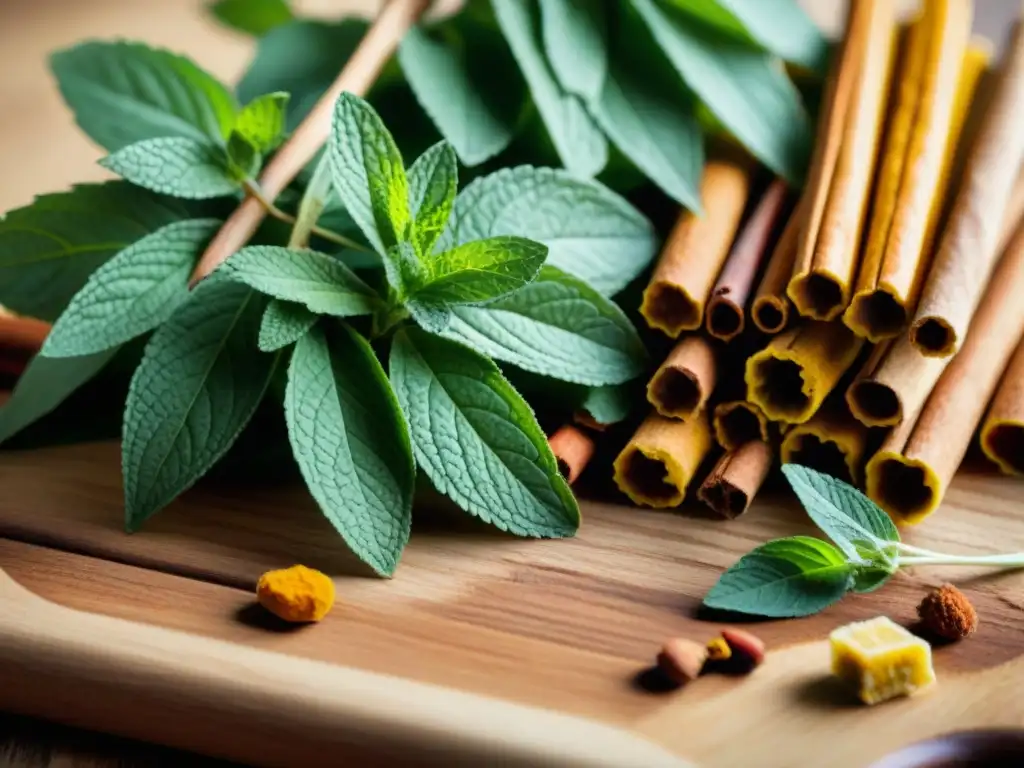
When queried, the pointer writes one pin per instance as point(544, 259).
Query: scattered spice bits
point(296, 594)
point(681, 660)
point(718, 649)
point(948, 613)
point(747, 649)
point(881, 660)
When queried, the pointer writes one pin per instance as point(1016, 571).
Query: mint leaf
point(178, 167)
point(576, 42)
point(45, 384)
point(133, 293)
point(609, 404)
point(556, 326)
point(253, 17)
point(368, 173)
point(577, 139)
point(284, 323)
point(433, 181)
point(480, 270)
point(453, 68)
point(589, 230)
point(49, 249)
point(790, 577)
point(261, 122)
point(322, 284)
point(122, 93)
point(477, 439)
point(196, 388)
point(870, 578)
point(244, 160)
point(743, 87)
point(351, 443)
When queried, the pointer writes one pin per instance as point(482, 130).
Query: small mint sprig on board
point(801, 575)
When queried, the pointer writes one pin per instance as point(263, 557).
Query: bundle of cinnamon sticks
point(870, 326)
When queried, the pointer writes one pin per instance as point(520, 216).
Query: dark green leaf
point(284, 323)
point(253, 17)
point(433, 182)
point(178, 167)
point(480, 270)
point(261, 122)
point(871, 578)
point(244, 160)
point(576, 42)
point(609, 404)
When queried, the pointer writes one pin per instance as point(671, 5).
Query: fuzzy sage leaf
point(433, 182)
point(576, 41)
point(284, 323)
point(176, 166)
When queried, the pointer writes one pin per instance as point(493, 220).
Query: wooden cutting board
point(562, 625)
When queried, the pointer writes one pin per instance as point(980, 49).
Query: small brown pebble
point(718, 649)
point(948, 613)
point(744, 645)
point(681, 660)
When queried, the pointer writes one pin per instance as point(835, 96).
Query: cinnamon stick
point(1002, 432)
point(737, 422)
point(937, 81)
point(656, 466)
point(22, 334)
point(736, 479)
point(770, 310)
point(725, 314)
point(790, 378)
point(967, 251)
point(843, 162)
point(573, 450)
point(674, 299)
point(832, 441)
point(909, 475)
point(682, 384)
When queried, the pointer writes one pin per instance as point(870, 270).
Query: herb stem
point(313, 202)
point(910, 549)
point(252, 189)
point(1015, 560)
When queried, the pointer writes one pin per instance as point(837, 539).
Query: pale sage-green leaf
point(433, 182)
point(576, 42)
point(261, 122)
point(253, 17)
point(179, 167)
point(284, 323)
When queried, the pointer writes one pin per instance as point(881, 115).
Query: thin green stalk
point(313, 202)
point(1015, 560)
point(253, 190)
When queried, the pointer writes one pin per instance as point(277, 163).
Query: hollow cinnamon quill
point(832, 441)
point(843, 162)
point(693, 255)
point(770, 308)
point(573, 450)
point(967, 249)
point(1002, 432)
point(682, 384)
point(937, 80)
point(737, 422)
point(736, 479)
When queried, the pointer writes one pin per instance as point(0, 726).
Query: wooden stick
point(359, 73)
point(24, 334)
point(573, 449)
point(967, 251)
point(674, 299)
point(737, 422)
point(1002, 432)
point(683, 383)
point(842, 169)
point(832, 441)
point(725, 314)
point(656, 466)
point(770, 310)
point(736, 479)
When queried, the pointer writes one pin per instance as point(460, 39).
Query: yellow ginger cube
point(881, 659)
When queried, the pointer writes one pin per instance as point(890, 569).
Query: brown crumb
point(948, 613)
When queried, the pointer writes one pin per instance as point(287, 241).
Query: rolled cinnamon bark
point(909, 475)
point(697, 247)
point(573, 450)
point(683, 383)
point(937, 81)
point(843, 163)
point(737, 422)
point(832, 441)
point(770, 309)
point(790, 378)
point(736, 479)
point(1002, 433)
point(728, 305)
point(656, 466)
point(967, 250)
point(22, 334)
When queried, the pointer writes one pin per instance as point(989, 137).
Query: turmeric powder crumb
point(718, 649)
point(948, 613)
point(296, 594)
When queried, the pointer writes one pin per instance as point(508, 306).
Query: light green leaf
point(433, 182)
point(556, 326)
point(609, 404)
point(477, 439)
point(178, 167)
point(590, 231)
point(133, 293)
point(123, 93)
point(284, 323)
point(48, 249)
point(351, 443)
point(576, 42)
point(253, 17)
point(320, 283)
point(465, 78)
point(196, 388)
point(261, 122)
point(577, 139)
point(243, 160)
point(45, 384)
point(785, 578)
point(870, 578)
point(743, 87)
point(368, 174)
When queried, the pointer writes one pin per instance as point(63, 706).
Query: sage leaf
point(743, 87)
point(253, 17)
point(433, 182)
point(351, 442)
point(870, 578)
point(556, 326)
point(178, 167)
point(244, 160)
point(576, 41)
point(589, 230)
point(785, 578)
point(577, 139)
point(49, 249)
point(322, 284)
point(609, 404)
point(199, 382)
point(284, 323)
point(123, 93)
point(477, 439)
point(261, 122)
point(464, 77)
point(133, 293)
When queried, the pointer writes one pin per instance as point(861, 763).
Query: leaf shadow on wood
point(256, 616)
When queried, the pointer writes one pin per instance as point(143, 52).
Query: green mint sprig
point(802, 575)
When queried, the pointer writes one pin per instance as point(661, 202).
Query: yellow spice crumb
point(297, 594)
point(881, 659)
point(718, 649)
